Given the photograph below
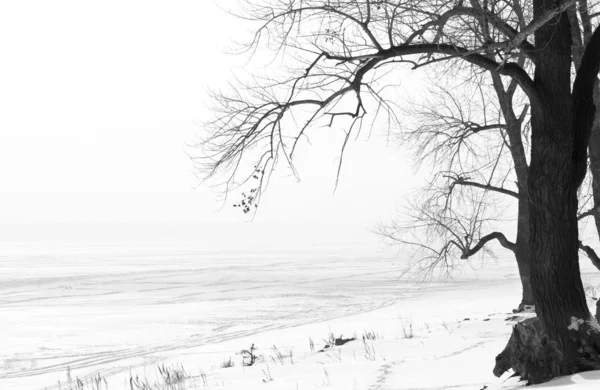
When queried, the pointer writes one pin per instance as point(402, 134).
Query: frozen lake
point(98, 308)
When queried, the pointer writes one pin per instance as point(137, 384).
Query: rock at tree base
point(341, 341)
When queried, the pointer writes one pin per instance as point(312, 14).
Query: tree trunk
point(522, 252)
point(525, 275)
point(555, 276)
point(595, 164)
point(517, 151)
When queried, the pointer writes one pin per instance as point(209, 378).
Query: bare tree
point(444, 133)
point(473, 140)
point(347, 48)
point(433, 236)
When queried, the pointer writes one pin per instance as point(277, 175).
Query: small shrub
point(249, 357)
point(228, 363)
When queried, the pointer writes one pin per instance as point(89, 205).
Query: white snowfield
point(120, 313)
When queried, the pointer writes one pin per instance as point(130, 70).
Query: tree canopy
point(339, 57)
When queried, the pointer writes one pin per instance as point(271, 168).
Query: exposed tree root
point(524, 308)
point(537, 359)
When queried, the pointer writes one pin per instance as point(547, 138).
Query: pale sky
point(98, 101)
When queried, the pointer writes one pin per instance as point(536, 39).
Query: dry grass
point(407, 329)
point(371, 335)
point(97, 382)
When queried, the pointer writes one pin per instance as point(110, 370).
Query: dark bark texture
point(527, 298)
point(559, 148)
point(522, 252)
point(530, 353)
point(555, 275)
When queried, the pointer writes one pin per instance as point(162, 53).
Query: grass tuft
point(228, 363)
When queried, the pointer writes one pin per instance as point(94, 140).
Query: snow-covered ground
point(119, 312)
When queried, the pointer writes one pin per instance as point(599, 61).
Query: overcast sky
point(99, 99)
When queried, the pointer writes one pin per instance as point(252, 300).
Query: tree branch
point(507, 69)
point(490, 17)
point(346, 66)
point(485, 239)
point(462, 181)
point(588, 213)
point(537, 23)
point(591, 254)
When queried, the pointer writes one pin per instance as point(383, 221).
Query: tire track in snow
point(114, 356)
